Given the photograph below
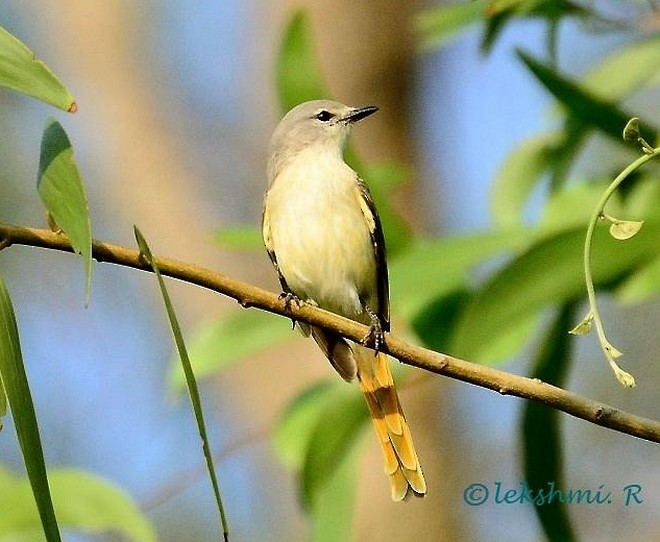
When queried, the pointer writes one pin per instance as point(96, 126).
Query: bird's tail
point(401, 462)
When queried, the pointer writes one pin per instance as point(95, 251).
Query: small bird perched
point(324, 237)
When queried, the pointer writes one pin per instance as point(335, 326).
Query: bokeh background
point(177, 103)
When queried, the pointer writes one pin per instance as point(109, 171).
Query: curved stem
point(610, 351)
point(251, 296)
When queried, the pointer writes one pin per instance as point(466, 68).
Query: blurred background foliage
point(500, 127)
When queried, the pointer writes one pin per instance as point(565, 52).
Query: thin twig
point(416, 356)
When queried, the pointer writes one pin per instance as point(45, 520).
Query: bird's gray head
point(322, 125)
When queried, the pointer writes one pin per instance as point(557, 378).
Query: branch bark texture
point(251, 296)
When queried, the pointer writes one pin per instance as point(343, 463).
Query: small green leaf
point(21, 71)
point(631, 131)
point(225, 341)
point(12, 373)
point(585, 326)
point(625, 229)
point(438, 25)
point(521, 172)
point(193, 390)
point(240, 237)
point(84, 503)
point(63, 194)
point(298, 71)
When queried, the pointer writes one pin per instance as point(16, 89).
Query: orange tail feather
point(401, 461)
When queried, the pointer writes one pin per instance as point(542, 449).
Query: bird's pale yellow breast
point(320, 233)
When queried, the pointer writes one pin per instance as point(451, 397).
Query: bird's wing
point(378, 242)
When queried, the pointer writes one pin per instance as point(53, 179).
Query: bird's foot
point(291, 299)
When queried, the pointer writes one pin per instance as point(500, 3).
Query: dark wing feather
point(378, 243)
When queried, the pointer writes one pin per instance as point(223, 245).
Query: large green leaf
point(63, 194)
point(335, 434)
point(443, 266)
point(437, 25)
point(298, 71)
point(542, 451)
point(320, 436)
point(21, 71)
point(84, 502)
point(225, 341)
point(293, 432)
point(16, 385)
point(550, 272)
point(589, 108)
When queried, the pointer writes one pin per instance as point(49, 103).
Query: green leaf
point(548, 273)
point(521, 172)
point(63, 194)
point(293, 432)
point(223, 342)
point(625, 229)
point(542, 449)
point(298, 71)
point(335, 434)
point(84, 503)
point(12, 372)
point(193, 390)
point(438, 25)
point(21, 71)
point(444, 265)
point(593, 110)
point(240, 237)
point(625, 71)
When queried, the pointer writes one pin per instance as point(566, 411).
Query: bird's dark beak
point(360, 113)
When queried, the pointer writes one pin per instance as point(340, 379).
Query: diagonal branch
point(416, 356)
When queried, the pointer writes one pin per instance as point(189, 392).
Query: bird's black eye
point(324, 116)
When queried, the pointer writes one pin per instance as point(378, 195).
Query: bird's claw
point(289, 300)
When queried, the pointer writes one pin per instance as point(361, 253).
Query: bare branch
point(251, 296)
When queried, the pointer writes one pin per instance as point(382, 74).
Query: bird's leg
point(376, 335)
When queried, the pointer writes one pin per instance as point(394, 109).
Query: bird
point(324, 237)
